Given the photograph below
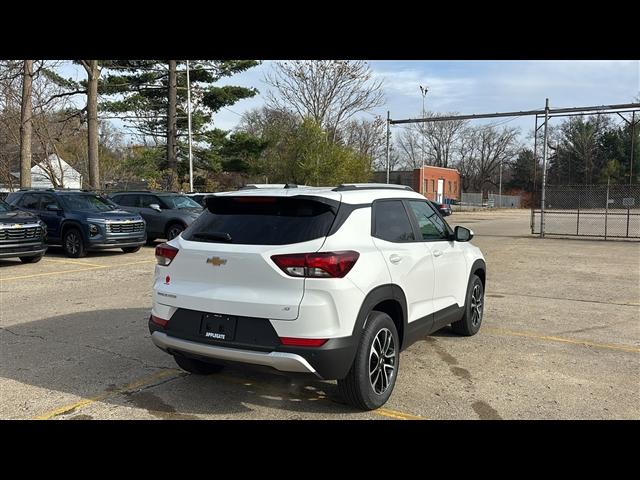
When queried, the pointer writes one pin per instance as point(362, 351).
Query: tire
point(73, 244)
point(130, 249)
point(173, 230)
point(34, 259)
point(361, 388)
point(196, 367)
point(471, 321)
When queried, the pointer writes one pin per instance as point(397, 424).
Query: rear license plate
point(218, 327)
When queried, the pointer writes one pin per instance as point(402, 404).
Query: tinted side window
point(431, 225)
point(30, 201)
point(126, 200)
point(48, 200)
point(391, 222)
point(148, 200)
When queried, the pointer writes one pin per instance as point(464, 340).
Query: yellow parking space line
point(73, 262)
point(20, 277)
point(126, 264)
point(625, 348)
point(75, 270)
point(142, 382)
point(386, 412)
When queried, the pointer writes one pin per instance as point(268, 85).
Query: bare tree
point(26, 115)
point(441, 138)
point(328, 91)
point(410, 147)
point(367, 137)
point(481, 151)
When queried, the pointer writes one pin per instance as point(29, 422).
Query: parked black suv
point(82, 220)
point(22, 234)
point(167, 214)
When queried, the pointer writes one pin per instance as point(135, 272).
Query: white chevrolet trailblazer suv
point(332, 282)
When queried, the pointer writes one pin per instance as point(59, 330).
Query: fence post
point(578, 221)
point(606, 210)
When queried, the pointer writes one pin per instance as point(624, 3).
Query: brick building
point(437, 183)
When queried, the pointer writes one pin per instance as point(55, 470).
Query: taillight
point(159, 321)
point(317, 265)
point(165, 254)
point(303, 342)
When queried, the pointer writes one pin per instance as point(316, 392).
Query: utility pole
point(189, 128)
point(388, 135)
point(545, 147)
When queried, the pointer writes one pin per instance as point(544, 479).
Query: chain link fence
point(602, 211)
point(473, 201)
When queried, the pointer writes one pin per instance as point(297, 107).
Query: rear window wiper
point(214, 236)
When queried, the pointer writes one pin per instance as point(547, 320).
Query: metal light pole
point(388, 135)
point(189, 128)
point(423, 91)
point(545, 147)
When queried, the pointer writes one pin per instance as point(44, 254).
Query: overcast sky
point(478, 86)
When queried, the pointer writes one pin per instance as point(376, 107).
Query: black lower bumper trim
point(119, 244)
point(331, 361)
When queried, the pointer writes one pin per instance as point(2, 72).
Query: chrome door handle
point(395, 258)
point(437, 253)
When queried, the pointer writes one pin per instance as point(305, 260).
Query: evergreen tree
point(139, 92)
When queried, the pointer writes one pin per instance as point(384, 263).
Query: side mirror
point(462, 234)
point(155, 206)
point(53, 208)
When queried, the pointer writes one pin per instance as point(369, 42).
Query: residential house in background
point(53, 167)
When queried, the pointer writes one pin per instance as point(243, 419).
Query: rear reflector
point(317, 265)
point(303, 342)
point(165, 254)
point(159, 321)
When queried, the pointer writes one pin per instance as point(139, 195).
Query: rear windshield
point(261, 221)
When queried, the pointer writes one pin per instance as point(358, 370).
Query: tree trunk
point(172, 125)
point(92, 123)
point(26, 125)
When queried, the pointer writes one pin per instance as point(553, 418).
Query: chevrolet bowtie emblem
point(217, 261)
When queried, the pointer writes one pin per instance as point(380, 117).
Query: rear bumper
point(283, 361)
point(256, 343)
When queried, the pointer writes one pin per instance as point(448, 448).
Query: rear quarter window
point(262, 220)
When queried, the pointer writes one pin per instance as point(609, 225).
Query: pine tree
point(139, 92)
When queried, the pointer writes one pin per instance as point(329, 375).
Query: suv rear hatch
point(224, 261)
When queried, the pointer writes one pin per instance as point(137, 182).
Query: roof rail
point(132, 191)
point(344, 187)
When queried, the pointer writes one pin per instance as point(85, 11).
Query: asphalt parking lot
point(560, 340)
